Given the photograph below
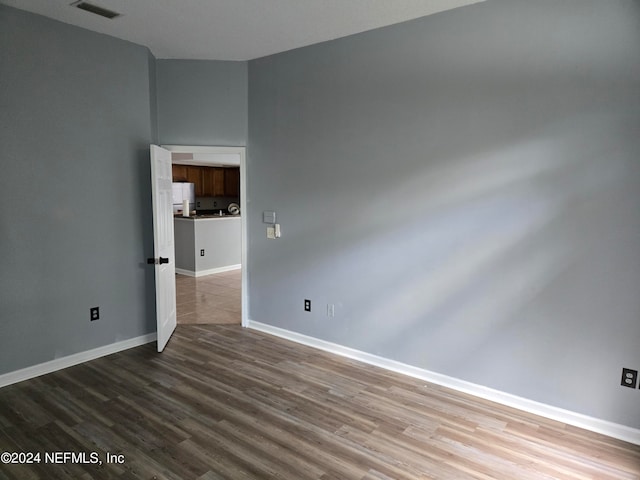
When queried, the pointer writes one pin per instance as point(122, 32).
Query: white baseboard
point(597, 425)
point(188, 273)
point(75, 359)
point(211, 271)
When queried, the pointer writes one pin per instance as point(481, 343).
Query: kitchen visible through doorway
point(208, 290)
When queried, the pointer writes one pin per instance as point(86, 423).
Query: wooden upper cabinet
point(194, 175)
point(232, 182)
point(207, 182)
point(213, 182)
point(210, 181)
point(179, 173)
point(218, 182)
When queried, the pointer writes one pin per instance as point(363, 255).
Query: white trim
point(202, 149)
point(188, 273)
point(75, 359)
point(208, 155)
point(210, 271)
point(244, 292)
point(597, 425)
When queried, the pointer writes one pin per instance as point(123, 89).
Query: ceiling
point(235, 29)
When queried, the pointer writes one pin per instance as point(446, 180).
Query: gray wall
point(184, 244)
point(219, 237)
point(465, 189)
point(221, 240)
point(153, 98)
point(202, 102)
point(75, 222)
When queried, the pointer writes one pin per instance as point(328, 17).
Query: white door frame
point(204, 155)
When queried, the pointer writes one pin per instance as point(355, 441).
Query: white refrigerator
point(183, 191)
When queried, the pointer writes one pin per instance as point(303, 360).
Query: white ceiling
point(235, 29)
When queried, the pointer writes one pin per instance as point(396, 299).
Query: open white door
point(164, 260)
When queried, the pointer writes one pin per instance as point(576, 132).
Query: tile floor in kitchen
point(209, 299)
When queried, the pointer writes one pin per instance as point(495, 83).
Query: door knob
point(158, 261)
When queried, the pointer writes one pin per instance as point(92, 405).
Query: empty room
point(434, 264)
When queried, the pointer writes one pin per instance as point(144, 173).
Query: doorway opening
point(209, 285)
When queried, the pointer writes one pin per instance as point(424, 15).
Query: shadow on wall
point(146, 224)
point(497, 232)
point(482, 238)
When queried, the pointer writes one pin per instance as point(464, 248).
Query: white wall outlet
point(277, 230)
point(331, 310)
point(271, 232)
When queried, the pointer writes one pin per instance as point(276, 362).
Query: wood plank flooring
point(224, 402)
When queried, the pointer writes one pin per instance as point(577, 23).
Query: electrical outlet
point(629, 378)
point(307, 305)
point(95, 313)
point(331, 310)
point(202, 252)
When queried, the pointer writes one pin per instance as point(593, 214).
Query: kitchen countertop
point(208, 216)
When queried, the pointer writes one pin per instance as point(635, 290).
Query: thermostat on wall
point(268, 217)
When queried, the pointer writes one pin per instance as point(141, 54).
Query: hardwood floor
point(212, 299)
point(222, 402)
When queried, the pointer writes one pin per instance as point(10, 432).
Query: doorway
point(215, 293)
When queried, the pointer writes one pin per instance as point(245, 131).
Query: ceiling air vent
point(103, 12)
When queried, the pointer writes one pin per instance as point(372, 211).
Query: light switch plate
point(271, 232)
